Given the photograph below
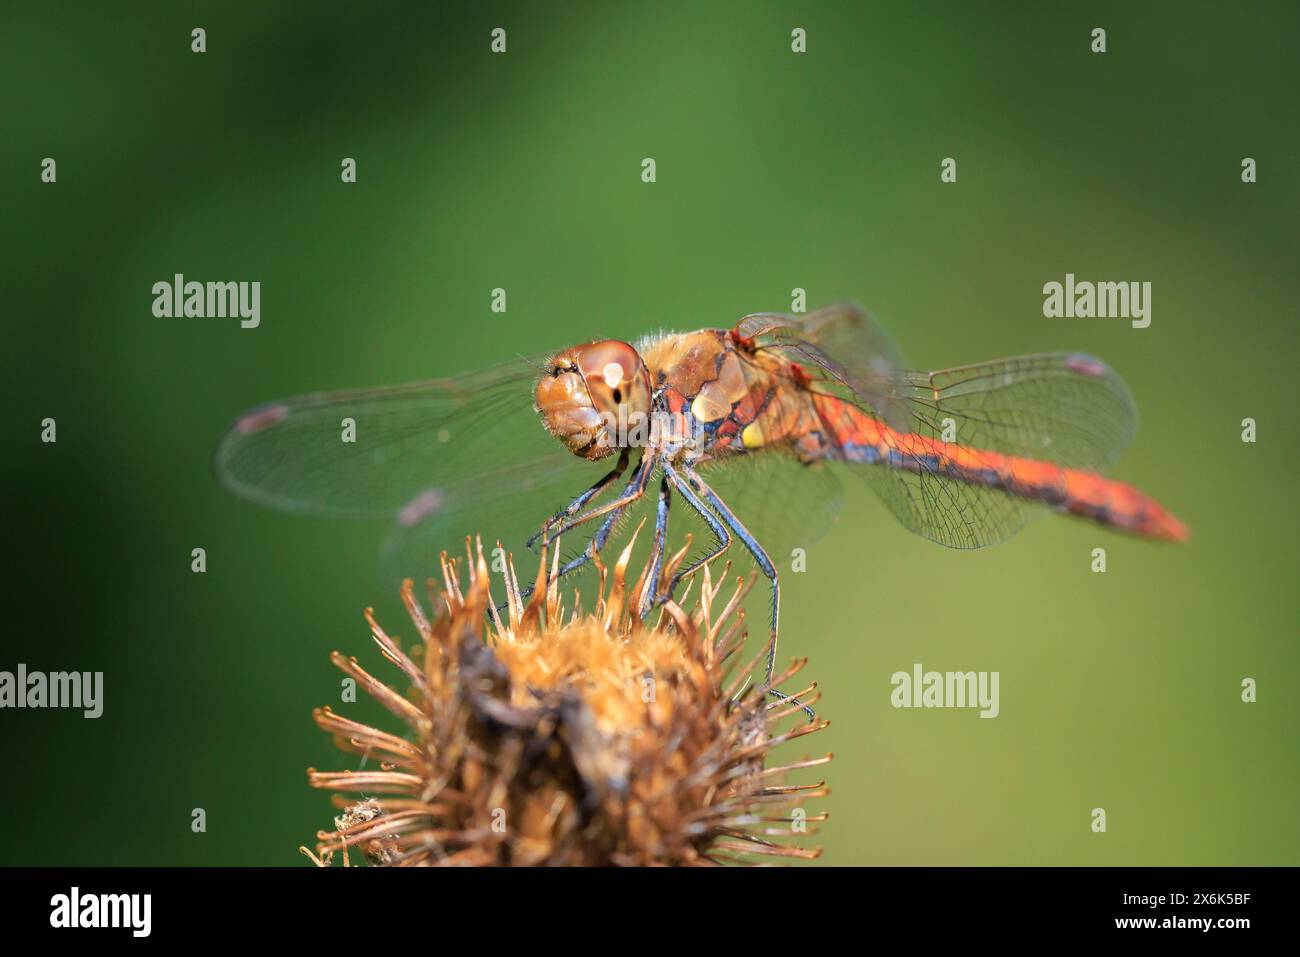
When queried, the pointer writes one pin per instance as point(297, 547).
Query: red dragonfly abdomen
point(855, 436)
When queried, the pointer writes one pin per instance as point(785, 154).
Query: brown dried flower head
point(571, 738)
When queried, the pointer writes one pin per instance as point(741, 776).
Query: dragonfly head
point(595, 398)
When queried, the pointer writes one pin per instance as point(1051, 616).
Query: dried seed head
point(571, 738)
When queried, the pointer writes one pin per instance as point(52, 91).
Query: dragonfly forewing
point(441, 459)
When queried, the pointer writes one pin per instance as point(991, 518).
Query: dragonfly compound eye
point(596, 398)
point(619, 385)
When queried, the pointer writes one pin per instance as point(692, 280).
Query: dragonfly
point(748, 427)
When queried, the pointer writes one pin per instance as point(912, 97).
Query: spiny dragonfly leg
point(634, 489)
point(580, 502)
point(592, 548)
point(631, 492)
point(768, 569)
point(721, 537)
point(650, 594)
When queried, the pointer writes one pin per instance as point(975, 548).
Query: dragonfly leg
point(650, 594)
point(768, 569)
point(634, 489)
point(592, 548)
point(581, 501)
point(722, 537)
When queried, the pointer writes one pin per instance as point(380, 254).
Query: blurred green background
point(775, 171)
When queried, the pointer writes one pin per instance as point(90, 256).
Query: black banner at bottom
point(306, 905)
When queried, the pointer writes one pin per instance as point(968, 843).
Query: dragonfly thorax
point(595, 398)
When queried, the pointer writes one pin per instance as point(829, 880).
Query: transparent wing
point(444, 459)
point(1069, 409)
point(785, 503)
point(375, 451)
point(846, 345)
point(1063, 408)
point(505, 506)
